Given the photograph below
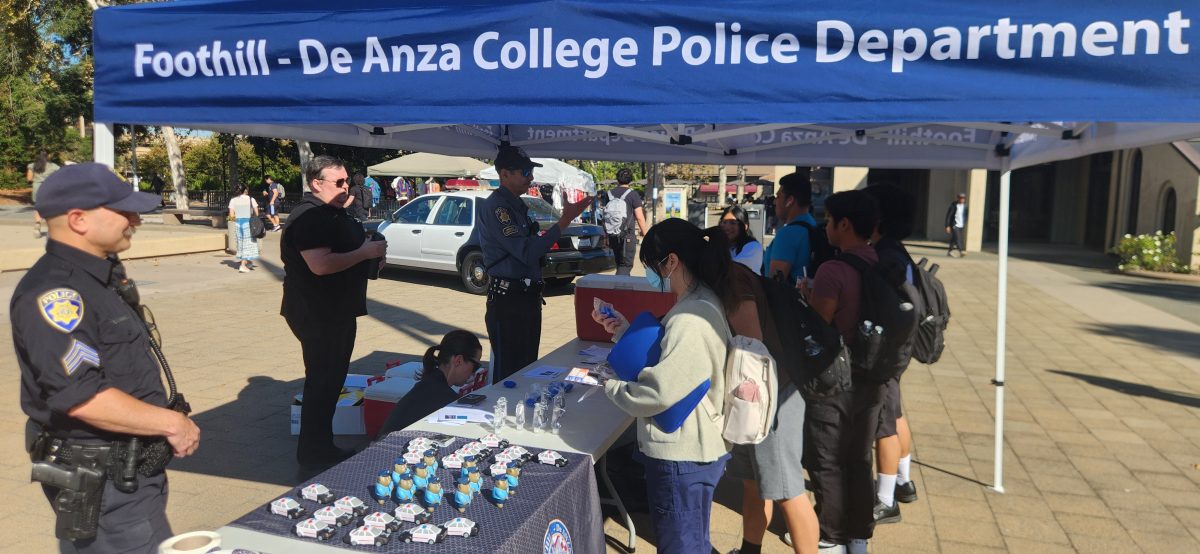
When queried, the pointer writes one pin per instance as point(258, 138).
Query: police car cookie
point(333, 516)
point(317, 492)
point(552, 458)
point(313, 529)
point(367, 535)
point(287, 507)
point(383, 520)
point(351, 504)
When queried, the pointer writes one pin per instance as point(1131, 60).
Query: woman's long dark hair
point(455, 343)
point(39, 163)
point(745, 236)
point(704, 253)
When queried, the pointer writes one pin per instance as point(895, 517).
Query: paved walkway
point(1103, 407)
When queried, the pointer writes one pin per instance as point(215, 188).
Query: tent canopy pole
point(1001, 321)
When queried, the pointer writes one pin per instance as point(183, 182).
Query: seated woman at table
point(450, 363)
point(682, 467)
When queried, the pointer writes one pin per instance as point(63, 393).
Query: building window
point(1168, 213)
point(1135, 193)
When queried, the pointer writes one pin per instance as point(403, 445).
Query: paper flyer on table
point(582, 376)
point(546, 372)
point(594, 351)
point(453, 415)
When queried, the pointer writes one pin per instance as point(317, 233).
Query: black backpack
point(811, 350)
point(934, 317)
point(886, 323)
point(820, 251)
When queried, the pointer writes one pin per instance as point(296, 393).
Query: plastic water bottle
point(906, 306)
point(879, 330)
point(499, 414)
point(540, 420)
point(519, 414)
point(866, 327)
point(812, 348)
point(556, 416)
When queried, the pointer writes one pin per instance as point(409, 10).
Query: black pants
point(956, 239)
point(327, 347)
point(514, 326)
point(839, 433)
point(624, 247)
point(133, 522)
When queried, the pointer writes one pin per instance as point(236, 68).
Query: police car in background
point(436, 232)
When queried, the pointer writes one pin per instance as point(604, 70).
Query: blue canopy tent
point(924, 84)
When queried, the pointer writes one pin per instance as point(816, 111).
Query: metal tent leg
point(615, 500)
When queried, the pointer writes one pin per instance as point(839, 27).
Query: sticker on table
point(558, 539)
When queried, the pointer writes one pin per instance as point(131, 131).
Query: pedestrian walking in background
point(682, 466)
point(744, 248)
point(35, 173)
point(956, 221)
point(358, 196)
point(241, 208)
point(624, 220)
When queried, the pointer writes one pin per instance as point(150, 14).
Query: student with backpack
point(771, 471)
point(682, 466)
point(840, 428)
point(622, 210)
point(799, 239)
point(893, 440)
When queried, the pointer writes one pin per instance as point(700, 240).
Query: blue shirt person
point(791, 245)
point(791, 251)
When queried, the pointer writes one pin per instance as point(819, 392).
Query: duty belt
point(113, 456)
point(500, 286)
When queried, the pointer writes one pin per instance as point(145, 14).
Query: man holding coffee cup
point(327, 259)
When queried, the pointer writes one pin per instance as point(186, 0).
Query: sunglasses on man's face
point(341, 183)
point(528, 172)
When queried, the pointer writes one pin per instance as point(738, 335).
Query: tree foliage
point(45, 82)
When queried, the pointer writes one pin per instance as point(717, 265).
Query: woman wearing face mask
point(744, 248)
point(682, 467)
point(450, 363)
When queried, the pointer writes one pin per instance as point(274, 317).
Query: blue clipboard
point(641, 347)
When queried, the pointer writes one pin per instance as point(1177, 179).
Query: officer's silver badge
point(62, 309)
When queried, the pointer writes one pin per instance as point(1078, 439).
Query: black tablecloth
point(546, 494)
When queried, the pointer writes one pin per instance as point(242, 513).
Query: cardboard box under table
point(630, 295)
point(552, 505)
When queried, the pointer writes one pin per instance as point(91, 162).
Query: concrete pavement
point(1103, 407)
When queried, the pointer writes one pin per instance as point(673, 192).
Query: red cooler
point(630, 295)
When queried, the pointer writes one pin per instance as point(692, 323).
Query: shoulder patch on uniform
point(503, 215)
point(510, 230)
point(78, 356)
point(62, 309)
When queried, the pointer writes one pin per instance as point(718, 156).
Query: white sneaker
point(826, 547)
point(243, 270)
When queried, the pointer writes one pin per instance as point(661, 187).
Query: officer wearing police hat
point(513, 246)
point(100, 432)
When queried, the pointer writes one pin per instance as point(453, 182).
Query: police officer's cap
point(87, 186)
point(511, 157)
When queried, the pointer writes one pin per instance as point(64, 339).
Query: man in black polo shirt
point(326, 255)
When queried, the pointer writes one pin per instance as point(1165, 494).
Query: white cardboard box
point(347, 420)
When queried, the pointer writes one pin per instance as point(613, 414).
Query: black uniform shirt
point(429, 395)
point(510, 239)
point(75, 337)
point(308, 297)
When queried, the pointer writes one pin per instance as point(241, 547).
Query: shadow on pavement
point(952, 474)
point(1180, 342)
point(1135, 389)
point(1188, 293)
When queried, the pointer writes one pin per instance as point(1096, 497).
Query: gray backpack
point(616, 213)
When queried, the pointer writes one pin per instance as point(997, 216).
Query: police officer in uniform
point(99, 433)
point(513, 246)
